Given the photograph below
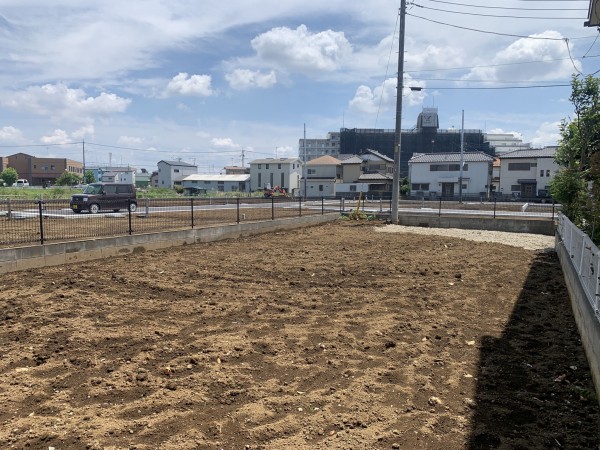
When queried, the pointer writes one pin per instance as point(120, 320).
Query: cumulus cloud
point(57, 137)
point(243, 79)
point(547, 134)
point(224, 143)
point(10, 134)
point(60, 101)
point(514, 63)
point(516, 134)
point(130, 141)
point(303, 51)
point(370, 101)
point(195, 85)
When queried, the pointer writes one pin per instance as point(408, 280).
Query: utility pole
point(398, 134)
point(304, 162)
point(243, 156)
point(83, 151)
point(462, 156)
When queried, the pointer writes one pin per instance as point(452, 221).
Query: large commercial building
point(426, 137)
point(41, 171)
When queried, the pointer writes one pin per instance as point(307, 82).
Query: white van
point(21, 182)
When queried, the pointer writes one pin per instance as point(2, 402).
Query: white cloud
point(547, 134)
point(195, 85)
point(57, 137)
point(516, 134)
point(60, 101)
point(224, 143)
point(82, 132)
point(303, 51)
point(514, 63)
point(371, 101)
point(130, 141)
point(11, 134)
point(242, 79)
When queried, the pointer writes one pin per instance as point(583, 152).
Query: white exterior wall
point(347, 187)
point(261, 174)
point(477, 178)
point(168, 173)
point(228, 186)
point(509, 179)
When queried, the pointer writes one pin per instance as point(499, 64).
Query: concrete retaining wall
point(587, 323)
point(510, 224)
point(13, 259)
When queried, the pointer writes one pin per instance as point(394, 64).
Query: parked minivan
point(105, 196)
point(21, 182)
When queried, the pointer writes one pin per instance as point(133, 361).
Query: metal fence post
point(553, 207)
point(40, 209)
point(192, 210)
point(300, 207)
point(8, 207)
point(238, 209)
point(322, 205)
point(342, 206)
point(495, 202)
point(129, 203)
point(272, 208)
point(440, 208)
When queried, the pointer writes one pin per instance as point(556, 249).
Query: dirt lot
point(330, 337)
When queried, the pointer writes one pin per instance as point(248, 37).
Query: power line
point(509, 8)
point(495, 32)
point(497, 16)
point(494, 87)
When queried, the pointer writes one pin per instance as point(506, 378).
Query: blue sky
point(204, 81)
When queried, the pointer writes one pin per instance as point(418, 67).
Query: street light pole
point(398, 134)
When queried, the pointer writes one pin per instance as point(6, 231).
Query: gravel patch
point(523, 240)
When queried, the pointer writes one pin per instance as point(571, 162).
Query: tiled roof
point(450, 157)
point(546, 152)
point(379, 155)
point(375, 177)
point(324, 160)
point(353, 160)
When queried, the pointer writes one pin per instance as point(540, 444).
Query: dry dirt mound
point(331, 337)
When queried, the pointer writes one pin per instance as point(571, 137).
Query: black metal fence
point(26, 222)
point(38, 221)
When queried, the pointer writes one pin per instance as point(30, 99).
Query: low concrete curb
point(587, 323)
point(22, 258)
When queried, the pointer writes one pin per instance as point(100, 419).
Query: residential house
point(271, 172)
point(154, 179)
point(370, 172)
point(117, 175)
point(142, 179)
point(202, 184)
point(42, 171)
point(171, 173)
point(322, 175)
point(433, 175)
point(527, 173)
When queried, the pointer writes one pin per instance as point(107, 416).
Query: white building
point(370, 172)
point(527, 173)
point(438, 174)
point(201, 183)
point(505, 142)
point(171, 173)
point(322, 175)
point(315, 148)
point(271, 172)
point(114, 175)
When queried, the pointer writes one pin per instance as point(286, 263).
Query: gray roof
point(204, 177)
point(375, 177)
point(379, 155)
point(177, 163)
point(353, 160)
point(546, 152)
point(450, 157)
point(275, 161)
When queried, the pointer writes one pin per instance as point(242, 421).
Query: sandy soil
point(330, 337)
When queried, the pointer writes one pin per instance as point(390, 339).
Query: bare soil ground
point(330, 337)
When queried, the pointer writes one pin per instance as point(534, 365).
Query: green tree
point(68, 179)
point(9, 176)
point(89, 177)
point(577, 185)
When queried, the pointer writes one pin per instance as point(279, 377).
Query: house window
point(271, 179)
point(542, 173)
point(260, 166)
point(259, 179)
point(515, 188)
point(52, 167)
point(420, 186)
point(547, 173)
point(444, 167)
point(353, 188)
point(519, 166)
point(266, 166)
point(279, 166)
point(320, 188)
point(282, 184)
point(221, 188)
point(311, 171)
point(176, 170)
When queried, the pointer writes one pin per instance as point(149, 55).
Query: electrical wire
point(497, 16)
point(509, 8)
point(495, 87)
point(494, 32)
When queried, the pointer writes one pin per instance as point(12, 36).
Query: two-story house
point(322, 175)
point(271, 172)
point(439, 174)
point(171, 173)
point(370, 172)
point(527, 173)
point(202, 183)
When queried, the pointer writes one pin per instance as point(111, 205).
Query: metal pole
point(272, 208)
point(192, 211)
point(129, 202)
point(398, 134)
point(238, 209)
point(40, 208)
point(462, 156)
point(304, 163)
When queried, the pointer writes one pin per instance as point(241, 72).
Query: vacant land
point(330, 337)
